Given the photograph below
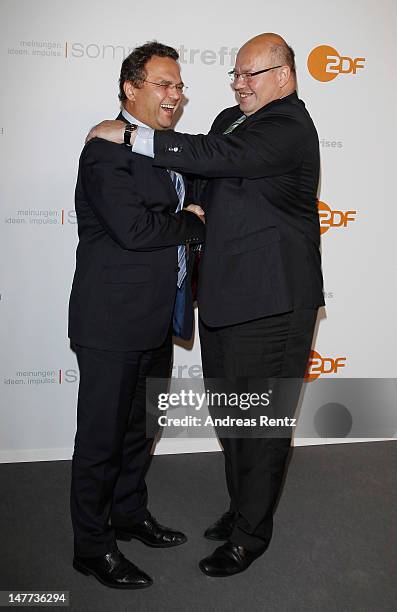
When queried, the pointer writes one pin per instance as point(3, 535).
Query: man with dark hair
point(130, 265)
point(260, 280)
point(133, 68)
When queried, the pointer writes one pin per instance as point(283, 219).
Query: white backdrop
point(60, 63)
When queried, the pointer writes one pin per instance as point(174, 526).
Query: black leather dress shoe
point(113, 570)
point(151, 533)
point(222, 528)
point(227, 560)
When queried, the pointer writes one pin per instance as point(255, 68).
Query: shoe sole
point(125, 536)
point(87, 572)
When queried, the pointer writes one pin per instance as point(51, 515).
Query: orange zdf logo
point(333, 218)
point(318, 365)
point(325, 63)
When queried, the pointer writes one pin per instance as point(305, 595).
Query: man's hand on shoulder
point(197, 210)
point(112, 130)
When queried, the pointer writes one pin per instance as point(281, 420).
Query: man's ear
point(284, 75)
point(129, 90)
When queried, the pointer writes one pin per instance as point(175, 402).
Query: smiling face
point(154, 105)
point(254, 93)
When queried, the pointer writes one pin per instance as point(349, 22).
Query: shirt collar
point(131, 119)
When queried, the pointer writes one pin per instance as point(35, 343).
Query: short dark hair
point(133, 67)
point(285, 55)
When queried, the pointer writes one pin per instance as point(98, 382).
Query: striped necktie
point(235, 124)
point(180, 190)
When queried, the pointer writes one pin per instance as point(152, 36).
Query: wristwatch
point(129, 128)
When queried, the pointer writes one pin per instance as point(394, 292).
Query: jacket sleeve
point(270, 146)
point(109, 189)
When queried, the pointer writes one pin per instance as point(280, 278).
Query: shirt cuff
point(144, 142)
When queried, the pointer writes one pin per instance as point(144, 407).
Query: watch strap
point(129, 128)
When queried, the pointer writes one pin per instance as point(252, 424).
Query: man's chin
point(245, 105)
point(164, 125)
point(247, 110)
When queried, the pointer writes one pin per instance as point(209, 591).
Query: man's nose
point(174, 93)
point(238, 84)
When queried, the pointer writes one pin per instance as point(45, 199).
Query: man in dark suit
point(260, 279)
point(130, 263)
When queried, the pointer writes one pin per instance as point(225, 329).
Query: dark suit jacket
point(262, 252)
point(124, 286)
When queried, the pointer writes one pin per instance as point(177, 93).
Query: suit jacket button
point(177, 269)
